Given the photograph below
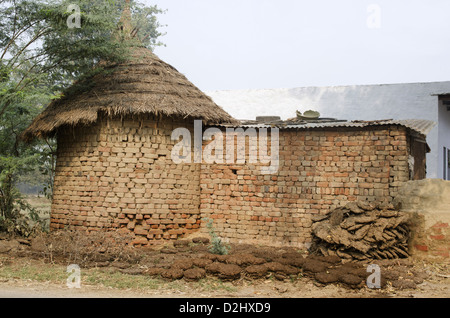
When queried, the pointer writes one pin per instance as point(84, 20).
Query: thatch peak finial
point(125, 25)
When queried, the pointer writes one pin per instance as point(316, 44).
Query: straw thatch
point(143, 85)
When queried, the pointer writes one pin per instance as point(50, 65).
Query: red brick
point(440, 225)
point(423, 248)
point(140, 241)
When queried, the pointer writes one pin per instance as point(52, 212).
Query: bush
point(22, 219)
point(216, 246)
point(17, 216)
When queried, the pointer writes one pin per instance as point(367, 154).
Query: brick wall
point(118, 174)
point(319, 170)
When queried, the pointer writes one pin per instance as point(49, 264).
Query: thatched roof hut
point(143, 85)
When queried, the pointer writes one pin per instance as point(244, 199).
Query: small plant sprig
point(216, 246)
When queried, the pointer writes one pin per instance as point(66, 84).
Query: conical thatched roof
point(143, 85)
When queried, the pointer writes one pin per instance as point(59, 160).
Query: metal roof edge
point(421, 126)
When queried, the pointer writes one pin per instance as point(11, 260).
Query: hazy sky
point(247, 44)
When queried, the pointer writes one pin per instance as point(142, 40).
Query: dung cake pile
point(361, 231)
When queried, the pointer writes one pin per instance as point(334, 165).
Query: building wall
point(444, 135)
point(118, 174)
point(356, 102)
point(319, 170)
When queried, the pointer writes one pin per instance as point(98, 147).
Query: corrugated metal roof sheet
point(421, 126)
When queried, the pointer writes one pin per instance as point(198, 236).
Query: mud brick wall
point(319, 170)
point(118, 174)
point(428, 202)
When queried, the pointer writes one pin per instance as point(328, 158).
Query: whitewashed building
point(429, 101)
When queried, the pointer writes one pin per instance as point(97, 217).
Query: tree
point(37, 46)
point(42, 54)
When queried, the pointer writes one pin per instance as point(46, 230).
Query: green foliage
point(216, 246)
point(147, 25)
point(16, 215)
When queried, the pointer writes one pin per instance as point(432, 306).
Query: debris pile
point(362, 231)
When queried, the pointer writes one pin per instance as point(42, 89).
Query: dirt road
point(436, 288)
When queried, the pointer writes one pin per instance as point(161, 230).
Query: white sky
point(251, 44)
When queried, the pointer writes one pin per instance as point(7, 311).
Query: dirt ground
point(439, 288)
point(247, 271)
point(265, 289)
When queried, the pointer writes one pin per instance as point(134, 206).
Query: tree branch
point(14, 38)
point(34, 39)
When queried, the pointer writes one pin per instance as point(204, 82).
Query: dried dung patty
point(229, 271)
point(327, 278)
point(289, 270)
point(291, 255)
point(194, 274)
point(172, 273)
point(332, 259)
point(314, 266)
point(222, 258)
point(201, 262)
point(153, 271)
point(183, 264)
point(292, 258)
point(257, 271)
point(404, 284)
point(274, 266)
point(244, 259)
point(266, 254)
point(351, 280)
